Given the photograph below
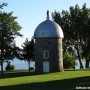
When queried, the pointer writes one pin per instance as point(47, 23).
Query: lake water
point(23, 65)
point(78, 65)
point(19, 65)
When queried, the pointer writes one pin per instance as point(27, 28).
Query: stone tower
point(48, 47)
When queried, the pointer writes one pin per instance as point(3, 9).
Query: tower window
point(46, 54)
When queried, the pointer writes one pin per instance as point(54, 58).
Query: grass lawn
point(67, 80)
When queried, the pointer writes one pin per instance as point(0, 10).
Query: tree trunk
point(74, 66)
point(79, 58)
point(2, 45)
point(1, 67)
point(29, 65)
point(1, 64)
point(87, 63)
point(1, 59)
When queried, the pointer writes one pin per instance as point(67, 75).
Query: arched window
point(46, 54)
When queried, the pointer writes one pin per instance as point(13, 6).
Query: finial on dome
point(47, 14)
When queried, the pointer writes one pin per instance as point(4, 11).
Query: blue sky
point(32, 12)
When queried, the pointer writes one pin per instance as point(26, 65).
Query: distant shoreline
point(23, 65)
point(19, 65)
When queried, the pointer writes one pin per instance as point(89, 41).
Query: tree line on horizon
point(75, 24)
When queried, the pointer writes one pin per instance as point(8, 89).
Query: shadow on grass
point(18, 74)
point(67, 84)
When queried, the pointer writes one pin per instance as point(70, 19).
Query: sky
point(31, 13)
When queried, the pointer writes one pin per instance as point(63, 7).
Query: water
point(23, 65)
point(19, 65)
point(78, 65)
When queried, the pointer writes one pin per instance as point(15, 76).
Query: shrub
point(31, 68)
point(10, 67)
point(68, 61)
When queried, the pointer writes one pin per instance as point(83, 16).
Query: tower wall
point(54, 46)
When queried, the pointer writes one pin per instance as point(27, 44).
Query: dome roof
point(48, 28)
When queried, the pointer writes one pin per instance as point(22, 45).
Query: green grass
point(67, 80)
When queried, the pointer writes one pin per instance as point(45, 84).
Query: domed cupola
point(48, 29)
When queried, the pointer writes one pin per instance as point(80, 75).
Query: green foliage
point(9, 30)
point(28, 51)
point(75, 24)
point(10, 67)
point(2, 5)
point(68, 61)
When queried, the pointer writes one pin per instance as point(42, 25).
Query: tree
point(68, 61)
point(9, 30)
point(67, 27)
point(28, 51)
point(75, 24)
point(81, 33)
point(2, 5)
